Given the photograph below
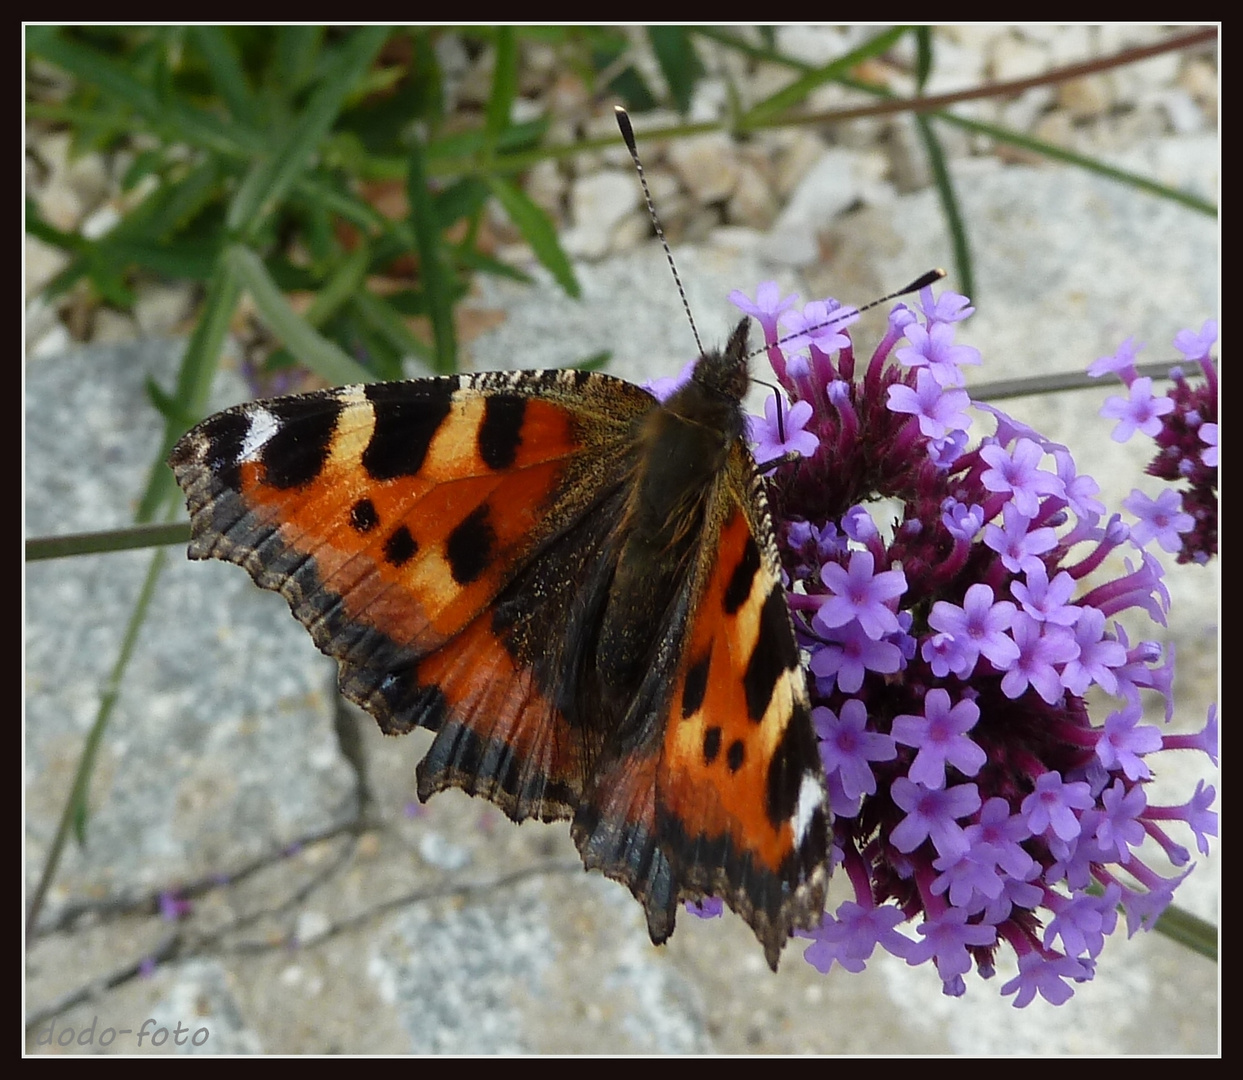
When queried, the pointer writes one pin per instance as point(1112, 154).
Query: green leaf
point(949, 207)
point(538, 229)
point(595, 362)
point(343, 284)
point(316, 352)
point(433, 270)
point(504, 84)
point(679, 63)
point(174, 119)
point(383, 318)
point(923, 56)
point(463, 198)
point(229, 79)
point(276, 170)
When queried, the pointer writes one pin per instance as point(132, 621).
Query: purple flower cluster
point(1184, 425)
point(949, 657)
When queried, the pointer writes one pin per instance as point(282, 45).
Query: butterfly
point(575, 586)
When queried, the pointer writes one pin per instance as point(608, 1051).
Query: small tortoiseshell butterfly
point(574, 585)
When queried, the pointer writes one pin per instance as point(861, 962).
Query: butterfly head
point(726, 372)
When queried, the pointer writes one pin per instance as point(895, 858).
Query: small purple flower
point(708, 908)
point(173, 906)
point(1196, 347)
point(1017, 473)
point(1051, 807)
point(767, 308)
point(858, 594)
point(1040, 648)
point(1098, 655)
point(1138, 412)
point(846, 747)
point(1208, 436)
point(940, 736)
point(852, 937)
point(765, 434)
point(821, 323)
point(963, 522)
point(1161, 519)
point(946, 940)
point(948, 307)
point(933, 814)
point(1045, 600)
point(1018, 545)
point(1044, 975)
point(978, 627)
point(1114, 827)
point(850, 654)
point(1124, 741)
point(934, 349)
point(1084, 921)
point(664, 388)
point(1122, 363)
point(970, 877)
point(939, 411)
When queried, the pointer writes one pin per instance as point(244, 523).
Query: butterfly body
point(574, 586)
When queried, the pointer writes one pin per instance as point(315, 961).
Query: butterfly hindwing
point(740, 756)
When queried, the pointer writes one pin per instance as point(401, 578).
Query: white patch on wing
point(263, 425)
point(810, 799)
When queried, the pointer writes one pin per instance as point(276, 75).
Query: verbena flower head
point(975, 798)
point(1184, 425)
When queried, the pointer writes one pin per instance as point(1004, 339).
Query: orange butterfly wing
point(725, 794)
point(391, 517)
point(454, 543)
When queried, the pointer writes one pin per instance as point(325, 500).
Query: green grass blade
point(504, 84)
point(434, 274)
point(540, 233)
point(176, 120)
point(679, 63)
point(74, 814)
point(158, 534)
point(225, 66)
point(386, 321)
point(312, 349)
point(198, 368)
point(944, 184)
point(279, 167)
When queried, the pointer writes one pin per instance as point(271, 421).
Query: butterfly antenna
point(627, 132)
point(921, 282)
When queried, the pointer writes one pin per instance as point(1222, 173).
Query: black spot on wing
point(470, 546)
point(400, 547)
point(223, 436)
point(696, 685)
point(298, 448)
point(406, 420)
point(735, 755)
point(363, 516)
point(795, 756)
point(774, 654)
point(500, 434)
point(712, 744)
point(739, 587)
